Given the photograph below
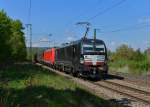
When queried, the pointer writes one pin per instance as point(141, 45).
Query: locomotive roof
point(91, 40)
point(85, 40)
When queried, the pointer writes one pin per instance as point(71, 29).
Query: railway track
point(147, 93)
point(129, 92)
point(137, 94)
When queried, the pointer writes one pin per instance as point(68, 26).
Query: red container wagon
point(49, 56)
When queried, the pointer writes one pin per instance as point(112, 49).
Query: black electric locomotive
point(85, 57)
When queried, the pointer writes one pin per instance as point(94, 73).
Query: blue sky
point(58, 17)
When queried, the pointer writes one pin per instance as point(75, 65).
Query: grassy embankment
point(128, 60)
point(32, 86)
point(130, 66)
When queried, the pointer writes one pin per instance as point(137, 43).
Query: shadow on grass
point(21, 71)
point(41, 96)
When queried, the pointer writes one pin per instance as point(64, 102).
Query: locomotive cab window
point(87, 48)
point(100, 48)
point(90, 48)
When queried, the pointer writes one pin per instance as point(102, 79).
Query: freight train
point(84, 57)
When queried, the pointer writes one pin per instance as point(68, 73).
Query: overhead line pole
point(29, 28)
point(29, 32)
point(95, 32)
point(49, 40)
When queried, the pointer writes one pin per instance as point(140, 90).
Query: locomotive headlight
point(81, 61)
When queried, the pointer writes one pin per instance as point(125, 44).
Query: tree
point(12, 41)
point(147, 51)
point(138, 55)
point(5, 33)
point(124, 52)
point(17, 41)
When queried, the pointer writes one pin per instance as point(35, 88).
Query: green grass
point(129, 66)
point(31, 86)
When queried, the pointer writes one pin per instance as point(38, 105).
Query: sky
point(126, 23)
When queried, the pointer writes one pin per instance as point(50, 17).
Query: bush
point(136, 61)
point(141, 66)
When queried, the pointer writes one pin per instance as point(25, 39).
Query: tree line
point(135, 61)
point(12, 40)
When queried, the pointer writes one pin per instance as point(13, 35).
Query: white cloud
point(36, 45)
point(44, 40)
point(70, 38)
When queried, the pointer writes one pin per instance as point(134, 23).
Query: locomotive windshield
point(90, 48)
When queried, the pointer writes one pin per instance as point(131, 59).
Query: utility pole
point(49, 40)
point(95, 32)
point(54, 42)
point(94, 43)
point(29, 28)
point(29, 31)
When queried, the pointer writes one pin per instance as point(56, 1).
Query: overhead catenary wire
point(73, 22)
point(133, 27)
point(29, 12)
point(105, 10)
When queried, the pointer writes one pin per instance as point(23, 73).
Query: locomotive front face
point(93, 54)
point(93, 58)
